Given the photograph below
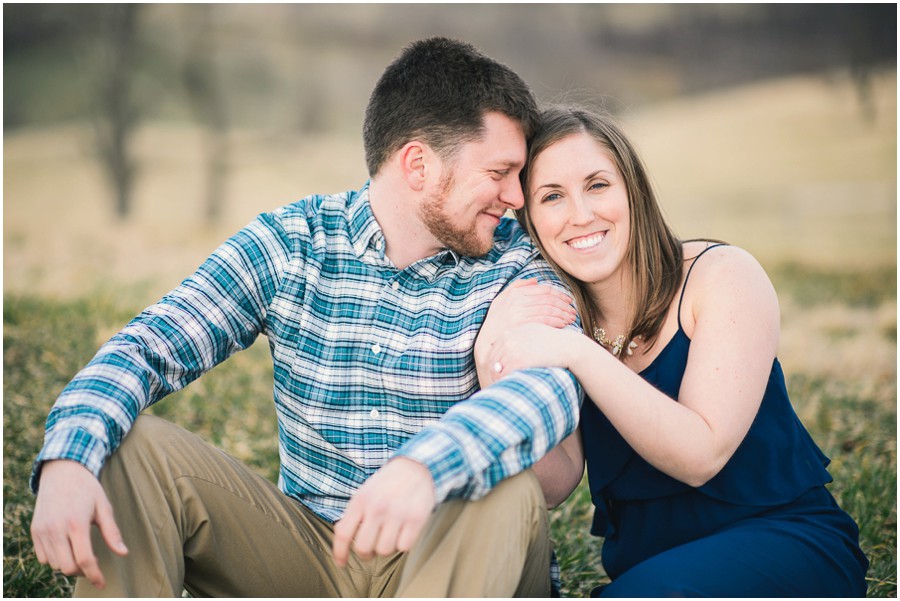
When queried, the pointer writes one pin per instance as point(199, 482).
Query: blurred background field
point(770, 126)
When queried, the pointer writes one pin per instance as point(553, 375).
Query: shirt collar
point(366, 234)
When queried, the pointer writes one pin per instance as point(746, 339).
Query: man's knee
point(496, 546)
point(144, 450)
point(517, 503)
point(149, 429)
point(522, 490)
point(152, 434)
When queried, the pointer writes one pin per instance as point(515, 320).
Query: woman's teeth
point(586, 242)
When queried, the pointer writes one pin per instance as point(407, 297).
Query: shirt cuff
point(75, 444)
point(442, 455)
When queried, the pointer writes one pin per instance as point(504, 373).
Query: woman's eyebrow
point(589, 176)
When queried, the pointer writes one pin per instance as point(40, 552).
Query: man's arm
point(214, 313)
point(506, 427)
point(499, 432)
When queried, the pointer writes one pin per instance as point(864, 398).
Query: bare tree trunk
point(116, 112)
point(206, 96)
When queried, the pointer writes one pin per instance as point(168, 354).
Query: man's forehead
point(502, 140)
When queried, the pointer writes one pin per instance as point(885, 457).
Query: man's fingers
point(109, 529)
point(344, 532)
point(84, 557)
point(409, 534)
point(364, 541)
point(61, 558)
point(400, 493)
point(38, 548)
point(387, 538)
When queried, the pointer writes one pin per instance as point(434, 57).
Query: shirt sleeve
point(497, 433)
point(216, 312)
point(501, 430)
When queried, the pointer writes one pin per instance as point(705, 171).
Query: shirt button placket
point(375, 415)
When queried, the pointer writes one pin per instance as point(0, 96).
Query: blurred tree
point(116, 112)
point(869, 28)
point(41, 48)
point(206, 96)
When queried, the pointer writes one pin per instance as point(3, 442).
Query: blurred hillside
point(311, 66)
point(771, 126)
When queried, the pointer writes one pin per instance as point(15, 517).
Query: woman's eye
point(598, 186)
point(551, 197)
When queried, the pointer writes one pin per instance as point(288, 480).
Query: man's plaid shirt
point(370, 362)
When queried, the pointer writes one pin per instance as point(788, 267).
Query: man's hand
point(387, 513)
point(69, 500)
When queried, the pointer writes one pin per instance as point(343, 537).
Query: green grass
point(46, 342)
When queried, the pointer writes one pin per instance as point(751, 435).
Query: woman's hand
point(522, 302)
point(533, 345)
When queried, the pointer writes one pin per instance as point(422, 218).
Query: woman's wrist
point(577, 351)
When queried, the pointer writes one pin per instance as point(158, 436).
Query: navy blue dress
point(764, 526)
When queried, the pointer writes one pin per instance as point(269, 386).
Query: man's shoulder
point(323, 213)
point(315, 205)
point(515, 252)
point(511, 240)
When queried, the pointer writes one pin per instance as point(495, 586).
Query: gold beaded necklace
point(615, 346)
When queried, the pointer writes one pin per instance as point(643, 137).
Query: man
point(371, 301)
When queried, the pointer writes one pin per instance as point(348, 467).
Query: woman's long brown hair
point(654, 252)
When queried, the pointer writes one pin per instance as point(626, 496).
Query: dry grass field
point(792, 170)
point(797, 171)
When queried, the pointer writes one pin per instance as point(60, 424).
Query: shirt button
point(376, 348)
point(395, 285)
point(374, 413)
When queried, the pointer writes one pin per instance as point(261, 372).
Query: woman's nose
point(580, 212)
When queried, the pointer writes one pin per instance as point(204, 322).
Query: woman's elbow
point(558, 488)
point(703, 471)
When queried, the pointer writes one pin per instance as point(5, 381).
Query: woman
point(703, 479)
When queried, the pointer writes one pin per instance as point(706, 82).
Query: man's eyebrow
point(511, 163)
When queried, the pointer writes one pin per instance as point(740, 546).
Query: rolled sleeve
point(216, 312)
point(499, 432)
point(72, 443)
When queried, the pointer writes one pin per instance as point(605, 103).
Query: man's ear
point(418, 163)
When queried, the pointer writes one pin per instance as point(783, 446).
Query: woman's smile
point(587, 242)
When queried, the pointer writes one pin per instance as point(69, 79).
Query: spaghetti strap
point(684, 285)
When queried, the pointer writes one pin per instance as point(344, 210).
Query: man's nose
point(512, 194)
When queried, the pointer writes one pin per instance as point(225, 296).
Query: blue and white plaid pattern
point(370, 361)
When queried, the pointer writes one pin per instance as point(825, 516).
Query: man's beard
point(458, 238)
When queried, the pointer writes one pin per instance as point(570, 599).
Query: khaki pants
point(194, 518)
